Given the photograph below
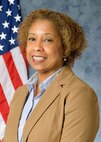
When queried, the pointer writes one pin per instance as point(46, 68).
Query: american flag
point(13, 68)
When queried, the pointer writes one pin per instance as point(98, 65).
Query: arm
point(81, 116)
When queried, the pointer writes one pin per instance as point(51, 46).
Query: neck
point(44, 75)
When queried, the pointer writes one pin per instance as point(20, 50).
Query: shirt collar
point(44, 84)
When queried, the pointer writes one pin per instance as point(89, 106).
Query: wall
point(88, 14)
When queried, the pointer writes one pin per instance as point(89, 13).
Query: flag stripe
point(5, 81)
point(4, 107)
point(19, 62)
point(2, 126)
point(12, 70)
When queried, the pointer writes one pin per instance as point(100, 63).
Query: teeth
point(38, 58)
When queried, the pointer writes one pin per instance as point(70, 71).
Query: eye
point(31, 39)
point(48, 40)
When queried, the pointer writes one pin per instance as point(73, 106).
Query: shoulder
point(21, 89)
point(19, 93)
point(74, 87)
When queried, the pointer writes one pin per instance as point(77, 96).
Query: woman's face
point(44, 47)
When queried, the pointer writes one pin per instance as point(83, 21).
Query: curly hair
point(70, 32)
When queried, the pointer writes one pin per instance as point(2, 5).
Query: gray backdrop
point(88, 14)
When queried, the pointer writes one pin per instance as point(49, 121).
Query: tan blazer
point(67, 112)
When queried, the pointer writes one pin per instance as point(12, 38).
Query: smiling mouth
point(38, 58)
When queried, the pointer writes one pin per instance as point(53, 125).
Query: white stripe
point(2, 127)
point(6, 81)
point(19, 63)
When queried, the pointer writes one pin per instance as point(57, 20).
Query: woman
point(54, 105)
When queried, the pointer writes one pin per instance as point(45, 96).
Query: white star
point(3, 36)
point(12, 41)
point(8, 13)
point(1, 8)
point(17, 17)
point(1, 47)
point(15, 29)
point(11, 1)
point(5, 24)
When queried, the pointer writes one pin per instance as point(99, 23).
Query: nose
point(38, 46)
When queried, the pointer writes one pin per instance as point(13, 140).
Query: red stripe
point(13, 73)
point(4, 107)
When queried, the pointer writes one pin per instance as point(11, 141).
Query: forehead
point(44, 28)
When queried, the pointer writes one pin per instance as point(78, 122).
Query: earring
point(65, 59)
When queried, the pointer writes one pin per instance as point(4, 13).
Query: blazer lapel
point(22, 93)
point(46, 100)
